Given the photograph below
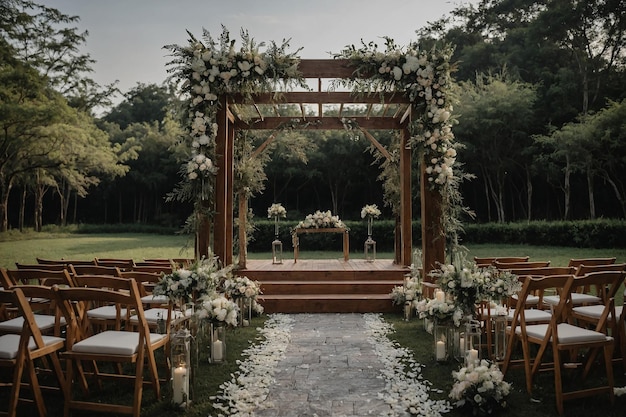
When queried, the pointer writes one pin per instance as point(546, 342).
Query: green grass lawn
point(25, 249)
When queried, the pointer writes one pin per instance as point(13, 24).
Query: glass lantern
point(217, 343)
point(277, 252)
point(245, 311)
point(408, 310)
point(499, 324)
point(441, 332)
point(181, 367)
point(473, 337)
point(370, 249)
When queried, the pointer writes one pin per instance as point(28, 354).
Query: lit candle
point(441, 350)
point(439, 295)
point(246, 323)
point(180, 385)
point(218, 351)
point(462, 345)
point(473, 356)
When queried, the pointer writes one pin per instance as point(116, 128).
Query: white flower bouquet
point(320, 219)
point(184, 286)
point(410, 291)
point(480, 387)
point(370, 210)
point(216, 307)
point(436, 310)
point(464, 281)
point(276, 210)
point(499, 285)
point(241, 287)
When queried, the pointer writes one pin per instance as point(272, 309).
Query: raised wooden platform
point(326, 286)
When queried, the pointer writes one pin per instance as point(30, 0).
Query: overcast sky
point(126, 37)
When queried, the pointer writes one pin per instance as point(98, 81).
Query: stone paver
point(329, 369)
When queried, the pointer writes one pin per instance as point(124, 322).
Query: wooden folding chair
point(161, 268)
point(94, 270)
point(598, 317)
point(20, 351)
point(591, 261)
point(45, 267)
point(489, 260)
point(514, 265)
point(117, 347)
point(66, 261)
point(561, 338)
point(121, 263)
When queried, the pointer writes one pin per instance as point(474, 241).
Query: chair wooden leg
point(608, 361)
point(138, 385)
point(36, 389)
point(558, 380)
point(15, 389)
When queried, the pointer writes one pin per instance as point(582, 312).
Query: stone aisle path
point(329, 369)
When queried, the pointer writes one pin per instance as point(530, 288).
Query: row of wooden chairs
point(147, 265)
point(104, 320)
point(568, 330)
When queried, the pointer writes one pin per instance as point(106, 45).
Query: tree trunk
point(22, 209)
point(619, 195)
point(567, 187)
point(592, 202)
point(38, 204)
point(529, 193)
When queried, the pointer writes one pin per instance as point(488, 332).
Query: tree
point(494, 114)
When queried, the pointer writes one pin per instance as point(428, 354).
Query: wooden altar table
point(298, 231)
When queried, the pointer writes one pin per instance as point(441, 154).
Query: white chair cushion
point(155, 299)
point(567, 333)
point(106, 313)
point(531, 300)
point(594, 312)
point(10, 344)
point(577, 299)
point(43, 321)
point(152, 315)
point(112, 342)
point(533, 315)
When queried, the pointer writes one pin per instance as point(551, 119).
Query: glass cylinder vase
point(499, 324)
point(473, 337)
point(181, 356)
point(441, 341)
point(217, 343)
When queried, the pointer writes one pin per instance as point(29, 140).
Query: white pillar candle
point(180, 385)
point(218, 350)
point(473, 356)
point(441, 350)
point(462, 345)
point(439, 295)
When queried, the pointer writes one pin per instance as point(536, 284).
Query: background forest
point(541, 89)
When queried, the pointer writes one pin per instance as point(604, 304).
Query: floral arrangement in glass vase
point(410, 291)
point(370, 211)
point(480, 387)
point(499, 285)
point(439, 310)
point(463, 281)
point(276, 211)
point(184, 286)
point(320, 219)
point(217, 307)
point(243, 288)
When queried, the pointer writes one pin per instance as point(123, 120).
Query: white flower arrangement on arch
point(424, 77)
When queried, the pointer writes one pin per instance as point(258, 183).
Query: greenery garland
point(208, 71)
point(424, 78)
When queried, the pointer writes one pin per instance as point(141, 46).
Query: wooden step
point(324, 287)
point(328, 303)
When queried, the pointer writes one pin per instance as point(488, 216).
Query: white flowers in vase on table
point(320, 219)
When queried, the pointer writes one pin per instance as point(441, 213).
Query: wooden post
point(406, 215)
point(221, 180)
point(433, 235)
point(229, 226)
point(203, 234)
point(243, 219)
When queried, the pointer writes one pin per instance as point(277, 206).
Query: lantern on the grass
point(473, 336)
point(217, 343)
point(181, 367)
point(277, 252)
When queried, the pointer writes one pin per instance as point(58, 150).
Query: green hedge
point(601, 233)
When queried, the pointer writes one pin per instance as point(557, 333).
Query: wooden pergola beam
point(321, 123)
point(324, 97)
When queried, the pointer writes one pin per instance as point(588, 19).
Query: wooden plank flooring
point(328, 285)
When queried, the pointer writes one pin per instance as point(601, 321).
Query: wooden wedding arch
point(397, 116)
